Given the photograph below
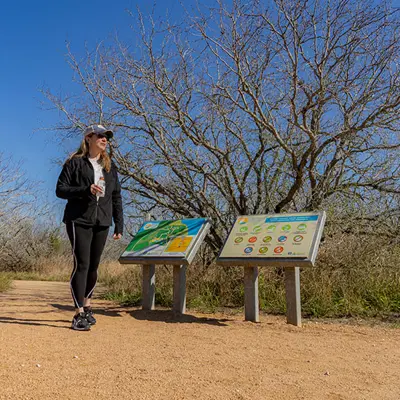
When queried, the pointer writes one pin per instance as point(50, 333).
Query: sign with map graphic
point(273, 239)
point(166, 242)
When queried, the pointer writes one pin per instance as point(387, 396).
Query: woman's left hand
point(117, 236)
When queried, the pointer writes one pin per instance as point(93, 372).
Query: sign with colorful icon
point(166, 240)
point(277, 236)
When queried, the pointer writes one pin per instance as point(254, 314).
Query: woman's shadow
point(34, 322)
point(109, 312)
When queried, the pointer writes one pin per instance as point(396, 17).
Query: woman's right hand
point(94, 189)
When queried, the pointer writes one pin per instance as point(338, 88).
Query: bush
point(351, 278)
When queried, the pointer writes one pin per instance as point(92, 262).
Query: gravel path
point(132, 354)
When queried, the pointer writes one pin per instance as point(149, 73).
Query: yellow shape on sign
point(178, 245)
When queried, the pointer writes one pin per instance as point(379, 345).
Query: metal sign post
point(290, 241)
point(251, 302)
point(166, 242)
point(148, 283)
point(293, 302)
point(148, 286)
point(179, 291)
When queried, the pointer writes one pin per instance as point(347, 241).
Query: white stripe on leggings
point(90, 293)
point(75, 265)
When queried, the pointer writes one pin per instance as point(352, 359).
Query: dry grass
point(56, 268)
point(5, 282)
point(351, 278)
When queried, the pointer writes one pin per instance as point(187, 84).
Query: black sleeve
point(117, 205)
point(65, 190)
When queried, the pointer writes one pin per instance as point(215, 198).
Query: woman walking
point(89, 182)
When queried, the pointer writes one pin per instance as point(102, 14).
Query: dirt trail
point(132, 354)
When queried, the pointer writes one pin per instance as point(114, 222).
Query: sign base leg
point(148, 287)
point(251, 302)
point(179, 305)
point(293, 302)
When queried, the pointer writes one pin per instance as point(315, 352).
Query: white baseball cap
point(98, 129)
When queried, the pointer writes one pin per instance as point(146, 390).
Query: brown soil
point(132, 354)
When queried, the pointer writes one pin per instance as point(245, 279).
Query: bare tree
point(13, 187)
point(17, 204)
point(243, 109)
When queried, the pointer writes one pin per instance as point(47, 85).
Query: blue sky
point(33, 36)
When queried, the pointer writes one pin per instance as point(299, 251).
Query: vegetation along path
point(132, 354)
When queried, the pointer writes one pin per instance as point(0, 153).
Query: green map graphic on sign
point(164, 231)
point(173, 238)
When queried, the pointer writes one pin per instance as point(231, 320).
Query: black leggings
point(87, 246)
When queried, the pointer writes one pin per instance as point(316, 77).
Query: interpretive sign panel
point(272, 239)
point(166, 242)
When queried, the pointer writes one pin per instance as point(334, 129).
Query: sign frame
point(308, 261)
point(171, 260)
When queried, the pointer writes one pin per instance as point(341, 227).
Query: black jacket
point(83, 208)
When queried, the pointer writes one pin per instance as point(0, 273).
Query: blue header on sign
point(299, 218)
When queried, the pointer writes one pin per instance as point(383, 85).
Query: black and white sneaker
point(89, 315)
point(80, 323)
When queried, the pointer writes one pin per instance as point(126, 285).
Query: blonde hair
point(83, 151)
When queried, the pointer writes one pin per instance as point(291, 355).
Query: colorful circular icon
point(302, 227)
point(267, 239)
point(248, 250)
point(263, 250)
point(278, 249)
point(298, 238)
point(282, 239)
point(239, 240)
point(257, 229)
point(242, 221)
point(271, 228)
point(286, 227)
point(253, 239)
point(244, 229)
